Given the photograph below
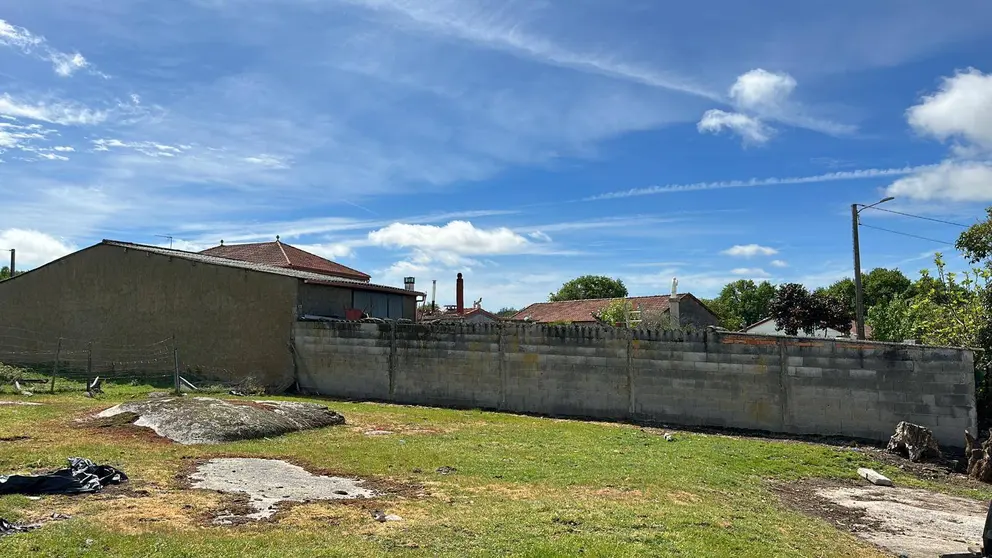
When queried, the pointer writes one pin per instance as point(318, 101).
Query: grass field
point(523, 486)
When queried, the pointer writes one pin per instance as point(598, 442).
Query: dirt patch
point(25, 403)
point(906, 521)
point(206, 420)
point(269, 482)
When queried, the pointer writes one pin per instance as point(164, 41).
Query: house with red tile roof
point(767, 326)
point(689, 309)
point(280, 254)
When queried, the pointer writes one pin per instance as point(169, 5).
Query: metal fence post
point(175, 355)
point(55, 368)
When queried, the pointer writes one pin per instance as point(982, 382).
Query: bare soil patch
point(914, 522)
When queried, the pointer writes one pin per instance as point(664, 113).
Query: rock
point(383, 517)
point(446, 470)
point(207, 420)
point(874, 477)
point(913, 441)
point(979, 457)
point(669, 437)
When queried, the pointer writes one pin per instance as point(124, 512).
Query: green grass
point(524, 486)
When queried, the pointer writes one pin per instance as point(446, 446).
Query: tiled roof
point(280, 254)
point(307, 276)
point(578, 311)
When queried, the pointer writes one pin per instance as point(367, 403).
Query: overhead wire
point(908, 234)
point(918, 216)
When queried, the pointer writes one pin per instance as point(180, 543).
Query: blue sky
point(521, 143)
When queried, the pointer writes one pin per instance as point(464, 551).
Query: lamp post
point(859, 294)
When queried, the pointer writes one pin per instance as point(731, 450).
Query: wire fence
point(41, 362)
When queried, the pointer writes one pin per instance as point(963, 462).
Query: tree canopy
point(590, 286)
point(742, 303)
point(507, 312)
point(795, 309)
point(5, 273)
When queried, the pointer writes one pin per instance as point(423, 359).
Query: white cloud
point(64, 63)
point(150, 148)
point(750, 272)
point(751, 129)
point(269, 161)
point(958, 181)
point(540, 236)
point(33, 247)
point(749, 251)
point(762, 90)
point(52, 156)
point(64, 148)
point(961, 108)
point(330, 250)
point(780, 263)
point(457, 237)
point(754, 182)
point(66, 114)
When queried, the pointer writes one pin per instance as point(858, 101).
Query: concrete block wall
point(778, 384)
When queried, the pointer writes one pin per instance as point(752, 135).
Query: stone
point(979, 457)
point(913, 441)
point(207, 420)
point(874, 477)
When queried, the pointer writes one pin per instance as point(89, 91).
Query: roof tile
point(280, 254)
point(584, 310)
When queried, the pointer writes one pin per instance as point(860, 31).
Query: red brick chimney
point(460, 294)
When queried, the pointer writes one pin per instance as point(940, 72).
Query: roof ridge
point(607, 298)
point(281, 249)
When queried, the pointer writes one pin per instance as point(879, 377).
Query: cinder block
point(862, 373)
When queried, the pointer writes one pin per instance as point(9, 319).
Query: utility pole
point(859, 303)
point(859, 294)
point(13, 258)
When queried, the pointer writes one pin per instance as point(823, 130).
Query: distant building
point(768, 327)
point(690, 310)
point(220, 312)
point(280, 254)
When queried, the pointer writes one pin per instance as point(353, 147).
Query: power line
point(909, 235)
point(919, 217)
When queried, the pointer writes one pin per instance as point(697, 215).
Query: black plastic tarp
point(80, 477)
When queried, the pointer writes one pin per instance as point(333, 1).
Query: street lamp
point(859, 294)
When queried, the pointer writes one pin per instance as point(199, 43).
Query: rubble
point(874, 477)
point(914, 441)
point(979, 457)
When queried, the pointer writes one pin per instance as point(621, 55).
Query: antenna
point(169, 236)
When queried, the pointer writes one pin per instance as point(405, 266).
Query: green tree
point(891, 321)
point(5, 273)
point(879, 285)
point(507, 312)
point(743, 303)
point(795, 309)
point(615, 312)
point(590, 286)
point(976, 242)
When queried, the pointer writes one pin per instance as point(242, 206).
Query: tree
point(976, 242)
point(880, 285)
point(795, 309)
point(891, 321)
point(5, 273)
point(616, 312)
point(507, 312)
point(590, 286)
point(742, 303)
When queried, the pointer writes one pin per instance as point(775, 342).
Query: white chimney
point(408, 283)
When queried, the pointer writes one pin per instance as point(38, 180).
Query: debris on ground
point(914, 441)
point(267, 482)
point(8, 528)
point(207, 420)
point(26, 403)
point(378, 432)
point(979, 457)
point(383, 517)
point(82, 476)
point(20, 390)
point(874, 477)
point(913, 522)
point(669, 437)
point(445, 470)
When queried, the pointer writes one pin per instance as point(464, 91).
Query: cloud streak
point(862, 174)
point(65, 64)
